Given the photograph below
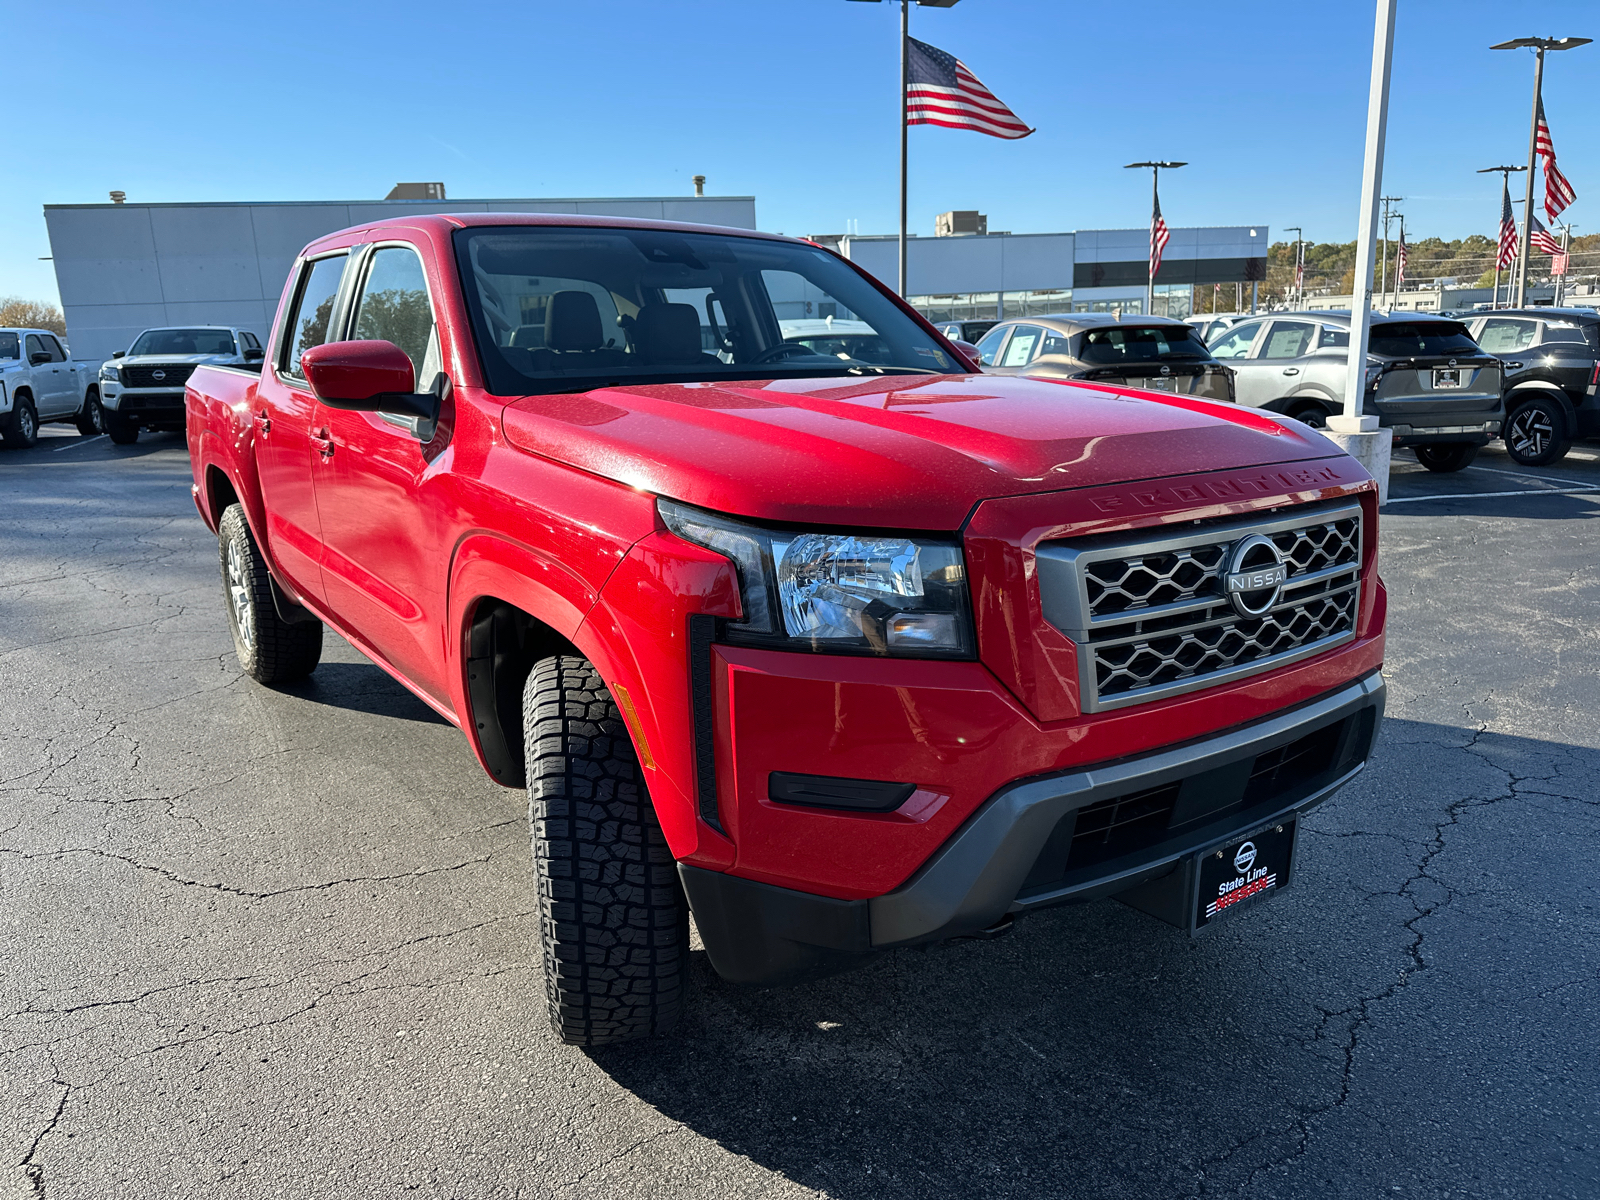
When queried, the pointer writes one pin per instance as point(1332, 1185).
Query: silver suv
point(1427, 380)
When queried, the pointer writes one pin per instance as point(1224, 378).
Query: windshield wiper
point(864, 368)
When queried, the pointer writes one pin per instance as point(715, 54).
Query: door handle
point(323, 443)
point(1291, 370)
point(263, 422)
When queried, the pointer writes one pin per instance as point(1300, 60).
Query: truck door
point(52, 378)
point(385, 533)
point(284, 409)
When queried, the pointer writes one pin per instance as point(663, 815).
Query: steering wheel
point(782, 350)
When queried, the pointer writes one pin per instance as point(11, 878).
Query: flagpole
point(905, 68)
point(1527, 203)
point(1150, 273)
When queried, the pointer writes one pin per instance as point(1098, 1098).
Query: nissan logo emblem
point(1165, 370)
point(158, 374)
point(1244, 857)
point(1254, 575)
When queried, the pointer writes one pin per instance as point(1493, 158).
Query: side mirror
point(969, 350)
point(368, 376)
point(39, 357)
point(254, 355)
point(118, 353)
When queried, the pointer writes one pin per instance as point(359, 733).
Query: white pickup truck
point(144, 387)
point(39, 383)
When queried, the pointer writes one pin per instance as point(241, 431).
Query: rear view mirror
point(368, 376)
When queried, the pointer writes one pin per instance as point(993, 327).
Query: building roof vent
point(416, 191)
point(119, 197)
point(961, 223)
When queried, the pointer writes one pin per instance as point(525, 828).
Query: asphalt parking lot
point(263, 944)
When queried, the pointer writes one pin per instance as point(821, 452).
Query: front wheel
point(124, 431)
point(612, 915)
point(91, 421)
point(1536, 432)
point(1445, 457)
point(270, 649)
point(21, 430)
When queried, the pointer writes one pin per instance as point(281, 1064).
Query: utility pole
point(1383, 264)
point(1505, 186)
point(1297, 231)
point(1538, 46)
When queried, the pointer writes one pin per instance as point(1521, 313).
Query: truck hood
point(907, 453)
point(169, 360)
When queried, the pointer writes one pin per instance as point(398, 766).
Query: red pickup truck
point(839, 648)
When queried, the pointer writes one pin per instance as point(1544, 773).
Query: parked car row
point(139, 388)
point(1445, 387)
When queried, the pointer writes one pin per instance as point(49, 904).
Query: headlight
point(110, 374)
point(840, 593)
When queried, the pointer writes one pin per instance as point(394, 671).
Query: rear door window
point(990, 346)
point(308, 325)
point(1019, 350)
point(1236, 342)
point(1055, 343)
point(1288, 339)
point(10, 346)
point(1506, 335)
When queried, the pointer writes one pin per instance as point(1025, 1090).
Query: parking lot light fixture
point(1538, 46)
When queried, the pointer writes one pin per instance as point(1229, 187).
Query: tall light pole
point(905, 69)
point(1505, 184)
point(1538, 46)
point(1155, 202)
point(1297, 231)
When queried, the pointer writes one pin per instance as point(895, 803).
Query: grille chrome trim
point(1098, 591)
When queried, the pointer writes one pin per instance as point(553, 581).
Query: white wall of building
point(123, 268)
point(1011, 262)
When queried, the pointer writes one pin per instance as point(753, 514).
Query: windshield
point(1142, 343)
point(183, 341)
point(1405, 339)
point(560, 309)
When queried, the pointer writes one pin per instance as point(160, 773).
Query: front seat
point(573, 331)
point(669, 334)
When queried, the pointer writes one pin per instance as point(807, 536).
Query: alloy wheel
point(27, 423)
point(239, 596)
point(1532, 431)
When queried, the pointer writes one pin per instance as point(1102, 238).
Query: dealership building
point(124, 267)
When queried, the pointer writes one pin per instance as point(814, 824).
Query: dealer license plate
point(1244, 872)
point(1158, 383)
point(1450, 378)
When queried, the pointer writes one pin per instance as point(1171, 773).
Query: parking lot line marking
point(75, 445)
point(1582, 491)
point(1527, 475)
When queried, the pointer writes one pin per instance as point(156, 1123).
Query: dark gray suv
point(1155, 353)
point(1427, 380)
point(1552, 365)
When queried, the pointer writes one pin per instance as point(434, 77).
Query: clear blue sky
point(792, 101)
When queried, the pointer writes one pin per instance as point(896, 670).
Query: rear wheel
point(612, 915)
point(124, 431)
point(1313, 415)
point(1445, 457)
point(21, 429)
point(271, 650)
point(1536, 432)
point(91, 421)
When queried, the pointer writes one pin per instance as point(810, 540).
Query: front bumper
point(148, 404)
point(1020, 851)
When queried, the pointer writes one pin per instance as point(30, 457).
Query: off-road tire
point(271, 650)
point(91, 422)
point(21, 429)
point(1536, 432)
point(612, 915)
point(124, 431)
point(1445, 457)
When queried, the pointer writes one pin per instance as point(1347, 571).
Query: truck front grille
point(1152, 615)
point(145, 376)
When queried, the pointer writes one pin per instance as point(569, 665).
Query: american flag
point(940, 90)
point(1543, 240)
point(1558, 191)
point(1508, 228)
point(1160, 235)
point(1400, 259)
